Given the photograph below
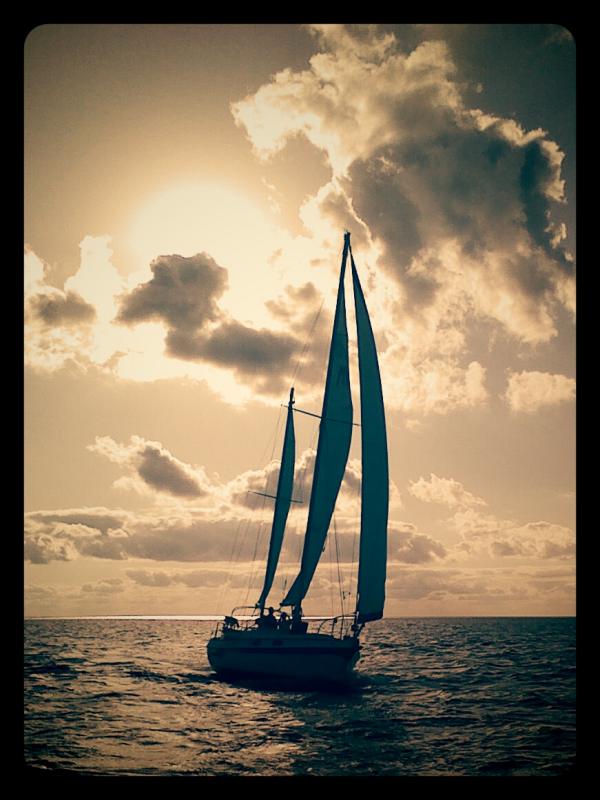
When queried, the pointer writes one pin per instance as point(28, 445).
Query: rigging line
point(231, 561)
point(253, 568)
point(244, 524)
point(337, 555)
point(307, 340)
point(331, 577)
point(355, 535)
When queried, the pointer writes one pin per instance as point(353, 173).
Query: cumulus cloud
point(75, 325)
point(64, 535)
point(529, 391)
point(212, 534)
point(150, 467)
point(161, 535)
point(182, 292)
point(55, 308)
point(101, 519)
point(409, 547)
point(262, 355)
point(446, 491)
point(501, 538)
point(455, 205)
point(57, 322)
point(41, 548)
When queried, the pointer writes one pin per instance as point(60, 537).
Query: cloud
point(146, 577)
point(213, 534)
point(73, 325)
point(432, 385)
point(417, 584)
point(55, 308)
point(43, 548)
point(97, 280)
point(57, 322)
point(151, 468)
point(99, 518)
point(182, 292)
point(448, 590)
point(530, 391)
point(446, 491)
point(168, 534)
point(454, 206)
point(503, 538)
point(409, 547)
point(104, 587)
point(64, 535)
point(192, 578)
point(262, 356)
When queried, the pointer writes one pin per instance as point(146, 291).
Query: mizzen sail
point(375, 474)
point(283, 499)
point(335, 433)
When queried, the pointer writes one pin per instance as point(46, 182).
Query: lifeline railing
point(342, 626)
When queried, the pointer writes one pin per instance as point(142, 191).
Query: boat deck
point(284, 654)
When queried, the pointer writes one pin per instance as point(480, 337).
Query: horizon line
point(220, 617)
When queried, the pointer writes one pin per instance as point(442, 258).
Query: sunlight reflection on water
point(431, 697)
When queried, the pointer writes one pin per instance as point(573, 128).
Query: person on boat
point(297, 625)
point(267, 620)
point(284, 622)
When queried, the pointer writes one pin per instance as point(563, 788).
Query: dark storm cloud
point(182, 292)
point(59, 308)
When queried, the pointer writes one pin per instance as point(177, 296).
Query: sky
point(186, 191)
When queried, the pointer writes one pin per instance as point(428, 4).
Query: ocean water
point(432, 697)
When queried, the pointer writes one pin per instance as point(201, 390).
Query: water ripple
point(432, 697)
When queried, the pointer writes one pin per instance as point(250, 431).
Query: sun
point(194, 217)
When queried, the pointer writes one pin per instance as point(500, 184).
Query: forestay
point(335, 432)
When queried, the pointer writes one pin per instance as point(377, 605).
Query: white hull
point(307, 656)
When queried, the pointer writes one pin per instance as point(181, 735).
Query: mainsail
point(375, 477)
point(283, 499)
point(335, 432)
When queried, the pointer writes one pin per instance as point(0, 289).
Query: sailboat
point(285, 648)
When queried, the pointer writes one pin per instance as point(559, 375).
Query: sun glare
point(191, 218)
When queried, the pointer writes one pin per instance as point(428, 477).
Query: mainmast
point(283, 498)
point(335, 432)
